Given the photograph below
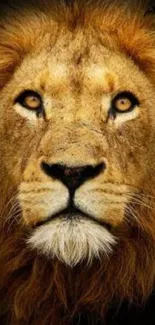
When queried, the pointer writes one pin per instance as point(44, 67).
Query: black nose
point(72, 177)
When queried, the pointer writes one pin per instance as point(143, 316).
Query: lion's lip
point(72, 213)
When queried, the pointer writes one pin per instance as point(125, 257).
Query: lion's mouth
point(71, 213)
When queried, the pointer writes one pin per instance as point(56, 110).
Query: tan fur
point(77, 57)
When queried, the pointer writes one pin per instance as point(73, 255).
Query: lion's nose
point(72, 177)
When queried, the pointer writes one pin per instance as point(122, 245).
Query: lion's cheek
point(106, 207)
point(40, 201)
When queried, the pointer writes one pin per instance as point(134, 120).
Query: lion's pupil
point(123, 104)
point(32, 101)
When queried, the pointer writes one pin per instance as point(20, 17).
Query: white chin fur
point(72, 241)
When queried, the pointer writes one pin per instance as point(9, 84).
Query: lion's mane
point(33, 289)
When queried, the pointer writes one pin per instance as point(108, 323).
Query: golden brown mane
point(33, 289)
point(34, 285)
point(130, 29)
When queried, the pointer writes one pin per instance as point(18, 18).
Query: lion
point(77, 125)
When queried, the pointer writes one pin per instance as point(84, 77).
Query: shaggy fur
point(36, 289)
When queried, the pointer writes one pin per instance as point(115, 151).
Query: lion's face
point(78, 143)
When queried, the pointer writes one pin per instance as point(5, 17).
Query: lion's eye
point(30, 100)
point(124, 102)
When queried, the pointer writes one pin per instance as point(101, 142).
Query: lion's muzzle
point(72, 177)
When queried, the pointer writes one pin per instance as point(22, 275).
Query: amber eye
point(124, 102)
point(30, 100)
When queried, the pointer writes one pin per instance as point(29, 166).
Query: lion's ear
point(146, 51)
point(21, 29)
point(137, 39)
point(18, 33)
point(11, 52)
point(9, 59)
point(14, 44)
point(131, 30)
point(141, 46)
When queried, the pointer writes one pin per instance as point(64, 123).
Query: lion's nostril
point(72, 177)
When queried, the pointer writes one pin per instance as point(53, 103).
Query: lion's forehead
point(79, 66)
